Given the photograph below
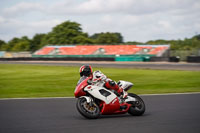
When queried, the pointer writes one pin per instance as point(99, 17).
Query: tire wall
point(193, 59)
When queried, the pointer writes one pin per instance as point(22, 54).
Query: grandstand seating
point(45, 50)
point(157, 50)
point(78, 50)
point(103, 49)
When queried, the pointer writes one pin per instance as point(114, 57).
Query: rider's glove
point(98, 76)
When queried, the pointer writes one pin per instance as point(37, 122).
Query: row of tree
point(68, 33)
point(186, 44)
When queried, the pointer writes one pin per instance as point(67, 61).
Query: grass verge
point(60, 81)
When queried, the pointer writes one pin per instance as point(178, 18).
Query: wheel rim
point(88, 108)
point(138, 104)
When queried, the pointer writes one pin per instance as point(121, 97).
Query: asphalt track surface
point(164, 114)
point(135, 65)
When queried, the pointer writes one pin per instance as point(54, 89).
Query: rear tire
point(138, 107)
point(87, 110)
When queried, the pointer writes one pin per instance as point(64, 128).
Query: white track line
point(41, 98)
point(165, 94)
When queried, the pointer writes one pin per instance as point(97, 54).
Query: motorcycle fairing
point(110, 102)
point(96, 92)
point(79, 88)
point(110, 108)
point(114, 107)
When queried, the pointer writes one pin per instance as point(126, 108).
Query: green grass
point(60, 81)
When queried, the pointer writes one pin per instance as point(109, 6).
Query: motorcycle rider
point(99, 79)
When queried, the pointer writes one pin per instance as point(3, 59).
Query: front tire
point(138, 106)
point(88, 110)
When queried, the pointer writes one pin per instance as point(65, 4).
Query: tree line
point(68, 33)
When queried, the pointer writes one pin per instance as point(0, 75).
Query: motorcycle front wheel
point(138, 106)
point(88, 110)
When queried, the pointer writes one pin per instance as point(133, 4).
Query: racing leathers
point(99, 79)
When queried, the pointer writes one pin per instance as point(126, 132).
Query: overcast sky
point(136, 20)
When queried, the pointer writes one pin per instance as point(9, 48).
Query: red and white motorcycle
point(94, 101)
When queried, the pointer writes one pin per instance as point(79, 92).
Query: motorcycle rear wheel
point(138, 107)
point(88, 110)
